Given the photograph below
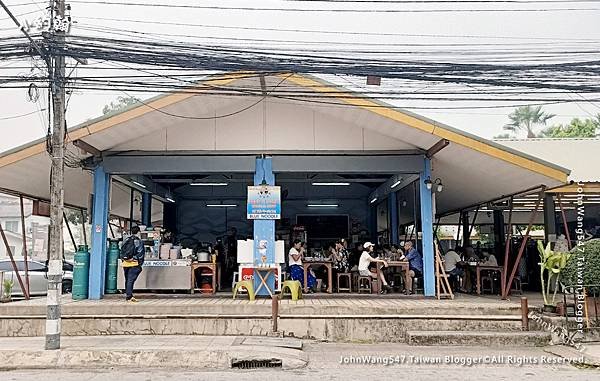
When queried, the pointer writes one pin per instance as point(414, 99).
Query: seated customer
point(452, 262)
point(415, 264)
point(363, 266)
point(490, 259)
point(295, 266)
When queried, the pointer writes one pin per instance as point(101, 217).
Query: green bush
point(591, 267)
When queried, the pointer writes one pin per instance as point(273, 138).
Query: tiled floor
point(461, 301)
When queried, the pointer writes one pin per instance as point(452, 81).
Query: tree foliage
point(120, 104)
point(527, 118)
point(577, 128)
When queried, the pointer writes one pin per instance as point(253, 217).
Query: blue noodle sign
point(264, 202)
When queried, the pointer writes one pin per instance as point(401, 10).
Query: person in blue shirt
point(415, 264)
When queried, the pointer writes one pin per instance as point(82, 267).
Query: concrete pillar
point(264, 229)
point(393, 213)
point(549, 217)
point(427, 231)
point(146, 209)
point(99, 233)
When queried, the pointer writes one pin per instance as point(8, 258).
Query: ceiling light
point(210, 184)
point(322, 205)
point(333, 184)
point(139, 184)
point(170, 199)
point(373, 200)
point(394, 185)
point(221, 205)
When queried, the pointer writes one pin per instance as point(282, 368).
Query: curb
point(151, 358)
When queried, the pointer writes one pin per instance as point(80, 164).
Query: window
point(12, 250)
point(6, 265)
point(11, 226)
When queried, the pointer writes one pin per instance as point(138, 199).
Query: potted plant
point(7, 286)
point(589, 253)
point(551, 263)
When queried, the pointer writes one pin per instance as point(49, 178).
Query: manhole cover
point(256, 364)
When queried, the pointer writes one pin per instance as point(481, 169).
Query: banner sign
point(264, 202)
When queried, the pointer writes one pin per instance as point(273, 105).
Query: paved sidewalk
point(218, 352)
point(183, 352)
point(589, 351)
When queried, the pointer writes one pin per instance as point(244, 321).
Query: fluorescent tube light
point(210, 184)
point(373, 200)
point(394, 185)
point(170, 199)
point(322, 205)
point(139, 184)
point(221, 205)
point(333, 184)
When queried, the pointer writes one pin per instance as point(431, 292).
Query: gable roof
point(468, 156)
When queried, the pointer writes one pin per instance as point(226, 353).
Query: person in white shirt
point(363, 266)
point(490, 259)
point(454, 266)
point(295, 266)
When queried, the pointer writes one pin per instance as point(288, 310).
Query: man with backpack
point(132, 259)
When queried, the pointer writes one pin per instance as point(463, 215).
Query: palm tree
point(527, 117)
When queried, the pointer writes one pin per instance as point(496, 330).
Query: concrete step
point(337, 328)
point(484, 338)
point(261, 307)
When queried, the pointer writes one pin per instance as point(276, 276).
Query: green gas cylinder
point(112, 265)
point(81, 273)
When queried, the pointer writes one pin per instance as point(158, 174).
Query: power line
point(21, 115)
point(351, 33)
point(329, 10)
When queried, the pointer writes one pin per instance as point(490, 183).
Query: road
point(349, 373)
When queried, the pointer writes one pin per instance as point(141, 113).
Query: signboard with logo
point(264, 202)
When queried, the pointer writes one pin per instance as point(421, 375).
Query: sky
point(565, 28)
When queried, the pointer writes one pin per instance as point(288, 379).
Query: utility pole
point(56, 74)
point(55, 264)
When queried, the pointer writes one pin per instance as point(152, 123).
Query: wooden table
point(328, 264)
point(478, 270)
point(215, 275)
point(404, 266)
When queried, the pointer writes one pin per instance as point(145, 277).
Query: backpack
point(128, 249)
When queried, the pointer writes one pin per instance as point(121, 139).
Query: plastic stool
point(364, 284)
point(294, 287)
point(348, 277)
point(248, 285)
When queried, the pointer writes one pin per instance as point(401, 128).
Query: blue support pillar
point(264, 230)
point(427, 231)
point(99, 233)
point(147, 209)
point(393, 213)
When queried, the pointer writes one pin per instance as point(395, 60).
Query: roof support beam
point(86, 147)
point(437, 147)
point(205, 164)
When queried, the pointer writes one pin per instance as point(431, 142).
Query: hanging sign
point(264, 202)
